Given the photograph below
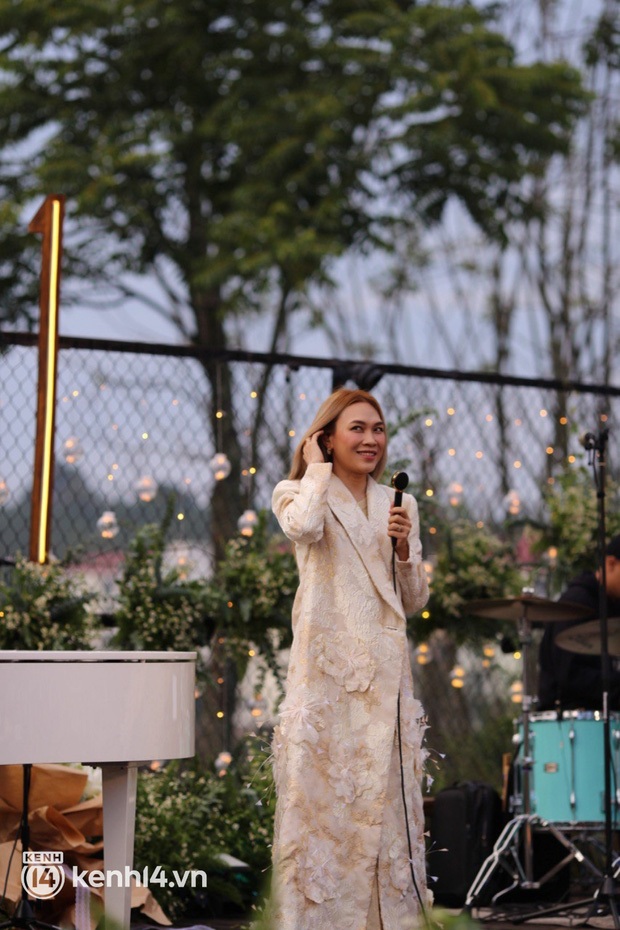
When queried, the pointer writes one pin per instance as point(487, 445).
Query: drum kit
point(558, 768)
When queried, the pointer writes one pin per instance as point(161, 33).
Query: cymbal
point(586, 637)
point(527, 606)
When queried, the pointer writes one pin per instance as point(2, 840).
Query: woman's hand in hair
point(313, 449)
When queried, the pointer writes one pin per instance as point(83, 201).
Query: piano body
point(113, 709)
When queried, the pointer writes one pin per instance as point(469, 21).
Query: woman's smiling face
point(358, 441)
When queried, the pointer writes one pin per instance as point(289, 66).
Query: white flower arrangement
point(43, 607)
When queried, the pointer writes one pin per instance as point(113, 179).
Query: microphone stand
point(607, 893)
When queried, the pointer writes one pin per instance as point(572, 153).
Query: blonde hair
point(325, 419)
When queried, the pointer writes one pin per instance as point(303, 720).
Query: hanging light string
point(220, 463)
point(249, 518)
point(219, 413)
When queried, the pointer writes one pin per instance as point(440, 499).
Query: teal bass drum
point(567, 776)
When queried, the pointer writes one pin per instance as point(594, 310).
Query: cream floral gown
point(340, 854)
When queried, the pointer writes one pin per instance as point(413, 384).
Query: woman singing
point(346, 855)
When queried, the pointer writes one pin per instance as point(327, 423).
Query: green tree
point(228, 151)
point(572, 526)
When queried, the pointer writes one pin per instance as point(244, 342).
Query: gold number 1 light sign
point(48, 221)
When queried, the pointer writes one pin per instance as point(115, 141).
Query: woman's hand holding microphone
point(399, 527)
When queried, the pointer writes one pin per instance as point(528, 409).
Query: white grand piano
point(113, 709)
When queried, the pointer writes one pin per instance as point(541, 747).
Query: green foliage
point(573, 508)
point(43, 607)
point(491, 121)
point(471, 563)
point(157, 609)
point(186, 818)
point(253, 592)
point(603, 45)
point(247, 602)
point(478, 757)
point(448, 920)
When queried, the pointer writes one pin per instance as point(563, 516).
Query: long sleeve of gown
point(411, 575)
point(300, 505)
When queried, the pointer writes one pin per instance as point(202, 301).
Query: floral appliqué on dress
point(300, 716)
point(319, 874)
point(346, 658)
point(348, 770)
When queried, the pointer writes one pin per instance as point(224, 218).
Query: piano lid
point(80, 706)
point(86, 655)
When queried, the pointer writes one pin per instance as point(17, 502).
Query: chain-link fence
point(134, 430)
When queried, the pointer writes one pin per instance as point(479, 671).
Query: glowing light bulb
point(423, 654)
point(147, 488)
point(516, 692)
point(455, 493)
point(107, 524)
point(220, 466)
point(247, 521)
point(222, 762)
point(512, 503)
point(72, 450)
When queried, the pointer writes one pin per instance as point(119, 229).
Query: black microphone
point(587, 440)
point(400, 480)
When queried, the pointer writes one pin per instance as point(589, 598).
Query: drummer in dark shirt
point(571, 680)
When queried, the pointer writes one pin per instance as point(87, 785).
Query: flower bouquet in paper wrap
point(65, 815)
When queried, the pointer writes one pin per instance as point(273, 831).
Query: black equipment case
point(466, 820)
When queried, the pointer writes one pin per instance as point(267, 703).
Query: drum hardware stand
point(507, 850)
point(525, 641)
point(523, 822)
point(506, 856)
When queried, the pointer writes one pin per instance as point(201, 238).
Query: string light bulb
point(4, 492)
point(247, 522)
point(222, 762)
point(257, 706)
point(457, 676)
point(72, 450)
point(220, 466)
point(512, 503)
point(107, 524)
point(423, 654)
point(147, 488)
point(455, 493)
